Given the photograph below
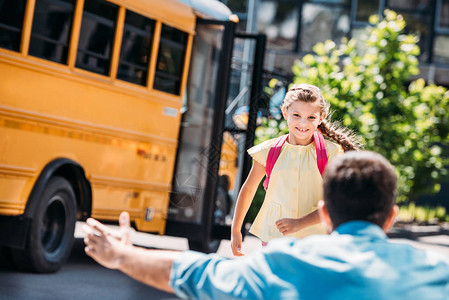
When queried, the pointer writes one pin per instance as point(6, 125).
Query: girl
point(295, 184)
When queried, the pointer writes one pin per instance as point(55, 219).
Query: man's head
point(359, 186)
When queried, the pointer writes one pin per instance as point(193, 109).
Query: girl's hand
point(287, 225)
point(236, 244)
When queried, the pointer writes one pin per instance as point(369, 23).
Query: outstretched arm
point(113, 250)
point(194, 275)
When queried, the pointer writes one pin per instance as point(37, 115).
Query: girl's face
point(303, 119)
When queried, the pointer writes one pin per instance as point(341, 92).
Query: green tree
point(368, 82)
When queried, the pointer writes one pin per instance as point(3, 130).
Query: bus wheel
point(51, 234)
point(205, 246)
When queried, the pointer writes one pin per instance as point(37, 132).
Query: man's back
point(358, 262)
point(355, 262)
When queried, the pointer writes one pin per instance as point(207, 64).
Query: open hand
point(106, 245)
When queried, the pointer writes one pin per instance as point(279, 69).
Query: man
point(356, 261)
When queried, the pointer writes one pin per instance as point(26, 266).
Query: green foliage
point(422, 214)
point(255, 204)
point(367, 82)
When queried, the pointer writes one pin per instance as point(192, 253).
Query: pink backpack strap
point(321, 155)
point(273, 155)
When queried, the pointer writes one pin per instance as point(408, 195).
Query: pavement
point(432, 237)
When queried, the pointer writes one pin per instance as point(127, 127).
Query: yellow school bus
point(112, 105)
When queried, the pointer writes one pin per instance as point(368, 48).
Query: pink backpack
point(276, 147)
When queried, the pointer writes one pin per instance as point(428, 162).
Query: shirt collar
point(360, 228)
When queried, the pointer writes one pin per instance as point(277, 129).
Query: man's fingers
point(89, 230)
point(124, 220)
point(94, 224)
point(88, 241)
point(89, 251)
point(93, 240)
point(125, 226)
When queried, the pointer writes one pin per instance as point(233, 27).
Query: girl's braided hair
point(333, 130)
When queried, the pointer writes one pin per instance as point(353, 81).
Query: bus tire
point(205, 246)
point(51, 235)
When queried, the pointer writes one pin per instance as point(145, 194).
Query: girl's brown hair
point(333, 130)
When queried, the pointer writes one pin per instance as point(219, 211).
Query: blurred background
point(384, 67)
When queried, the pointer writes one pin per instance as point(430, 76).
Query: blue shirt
point(354, 262)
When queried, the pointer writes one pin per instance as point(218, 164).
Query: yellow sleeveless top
point(295, 187)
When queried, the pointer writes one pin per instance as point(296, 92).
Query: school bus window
point(11, 22)
point(136, 48)
point(97, 36)
point(170, 60)
point(50, 34)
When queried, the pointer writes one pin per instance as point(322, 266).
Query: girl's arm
point(244, 200)
point(287, 225)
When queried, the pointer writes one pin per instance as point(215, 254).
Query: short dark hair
point(359, 185)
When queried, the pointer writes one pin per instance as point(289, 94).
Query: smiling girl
point(295, 185)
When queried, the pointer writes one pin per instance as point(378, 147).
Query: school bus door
point(201, 199)
point(245, 99)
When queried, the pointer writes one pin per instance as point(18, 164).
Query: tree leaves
point(368, 83)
